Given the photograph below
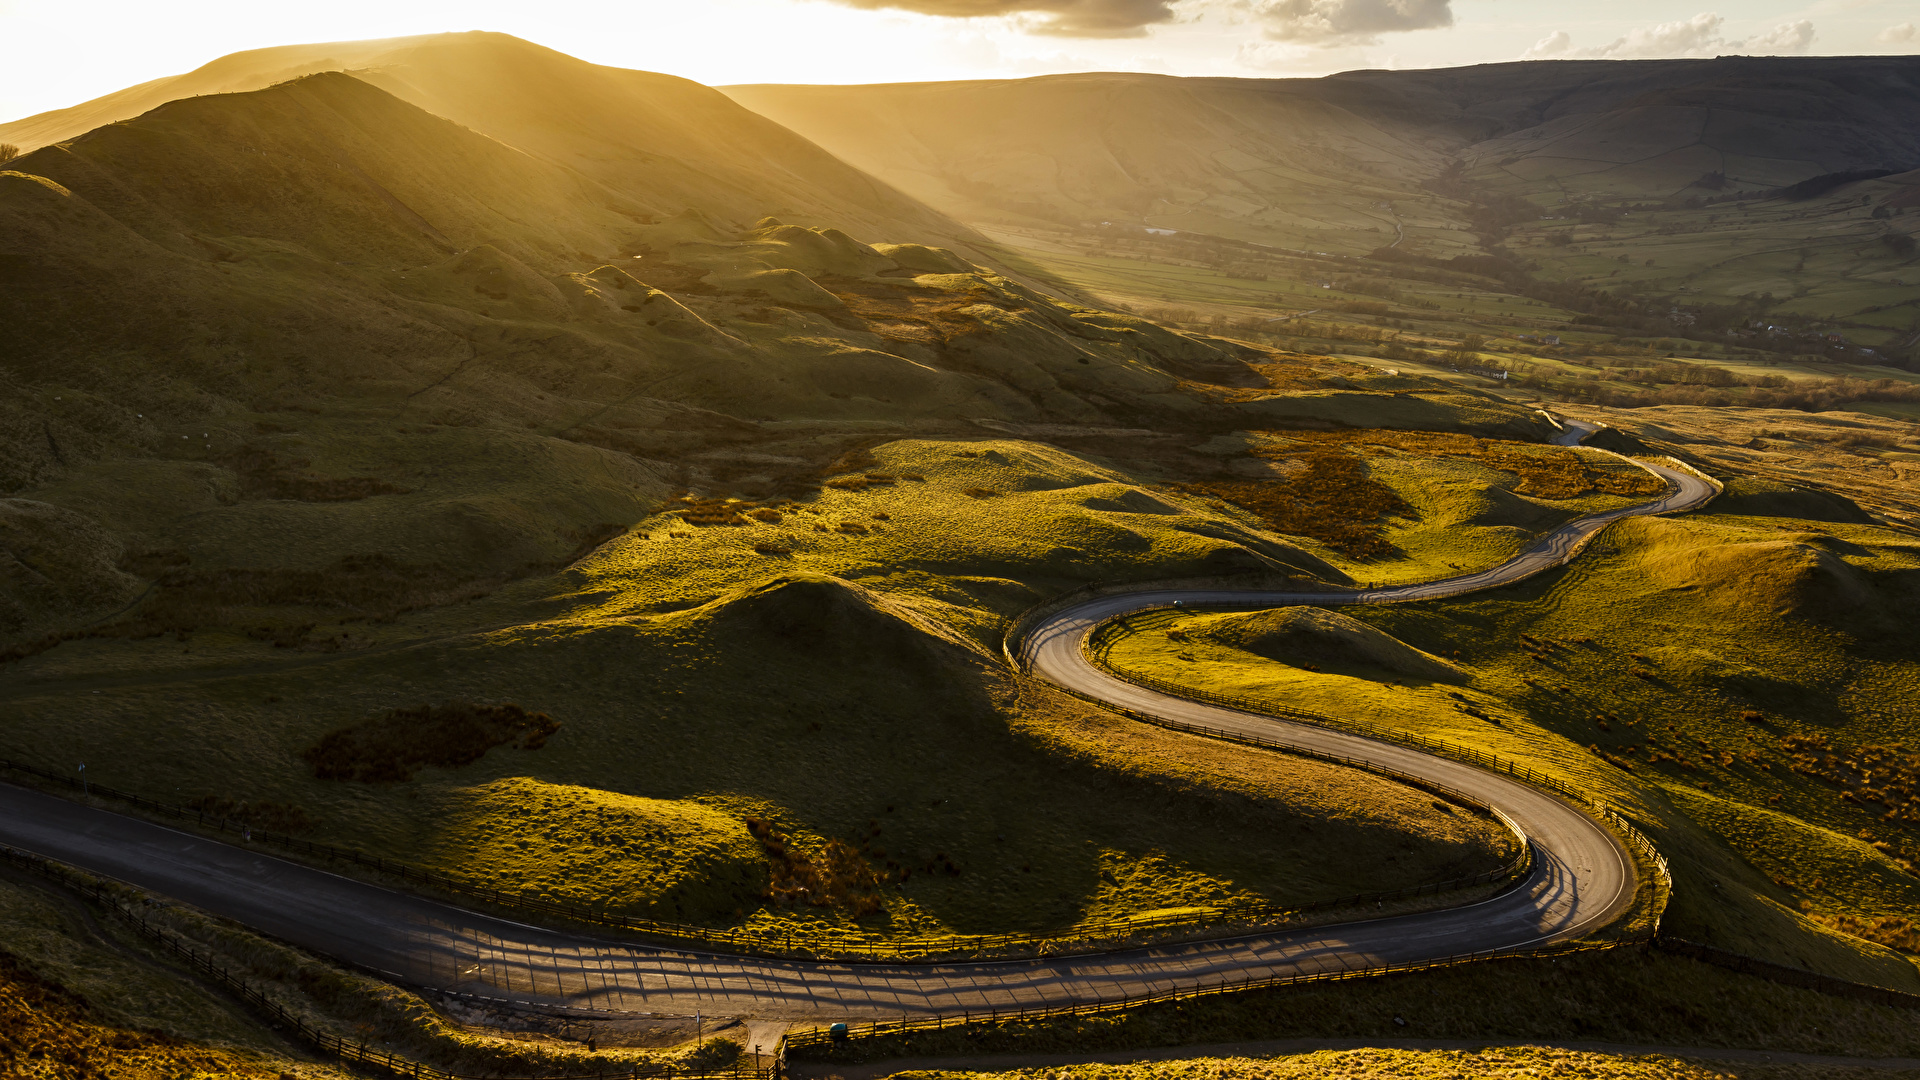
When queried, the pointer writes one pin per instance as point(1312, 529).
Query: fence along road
point(1582, 878)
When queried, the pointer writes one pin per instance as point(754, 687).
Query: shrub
point(707, 512)
point(8, 152)
point(838, 876)
point(394, 746)
point(1333, 501)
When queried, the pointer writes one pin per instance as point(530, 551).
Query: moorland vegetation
point(616, 519)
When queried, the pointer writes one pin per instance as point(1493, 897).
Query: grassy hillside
point(1741, 201)
point(663, 144)
point(564, 477)
point(857, 605)
point(362, 359)
point(1277, 162)
point(1733, 676)
point(1356, 161)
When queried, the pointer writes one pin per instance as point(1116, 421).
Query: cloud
point(1554, 44)
point(1793, 37)
point(1065, 18)
point(1698, 36)
point(1346, 22)
point(1902, 34)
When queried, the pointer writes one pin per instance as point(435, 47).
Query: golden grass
point(1545, 472)
point(1728, 678)
point(49, 1032)
point(670, 860)
point(1378, 1063)
point(917, 315)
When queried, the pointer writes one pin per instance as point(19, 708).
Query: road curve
point(1582, 879)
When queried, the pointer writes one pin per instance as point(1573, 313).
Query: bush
point(395, 746)
point(8, 152)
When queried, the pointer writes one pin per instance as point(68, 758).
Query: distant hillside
point(1272, 161)
point(666, 143)
point(1346, 162)
point(282, 328)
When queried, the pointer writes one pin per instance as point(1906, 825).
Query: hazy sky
point(58, 52)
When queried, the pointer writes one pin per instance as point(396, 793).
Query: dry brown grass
point(838, 876)
point(1885, 776)
point(913, 313)
point(47, 1031)
point(1333, 501)
point(394, 746)
point(706, 512)
point(1893, 931)
point(1545, 472)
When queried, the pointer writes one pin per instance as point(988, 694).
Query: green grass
point(680, 660)
point(1820, 258)
point(1658, 644)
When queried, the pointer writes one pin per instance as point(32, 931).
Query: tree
point(8, 152)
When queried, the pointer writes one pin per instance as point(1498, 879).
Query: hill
point(1355, 161)
point(665, 143)
point(535, 497)
point(1271, 161)
point(332, 305)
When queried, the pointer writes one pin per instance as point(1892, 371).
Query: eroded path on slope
point(1582, 878)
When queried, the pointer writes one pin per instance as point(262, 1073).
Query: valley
point(620, 497)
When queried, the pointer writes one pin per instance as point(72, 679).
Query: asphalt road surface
point(1582, 878)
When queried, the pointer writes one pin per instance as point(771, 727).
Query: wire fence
point(826, 1035)
point(326, 1042)
point(1096, 645)
point(1099, 644)
point(1104, 935)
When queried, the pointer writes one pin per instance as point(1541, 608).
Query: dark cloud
point(1067, 18)
point(1348, 22)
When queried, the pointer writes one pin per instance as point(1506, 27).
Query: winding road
point(1582, 877)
